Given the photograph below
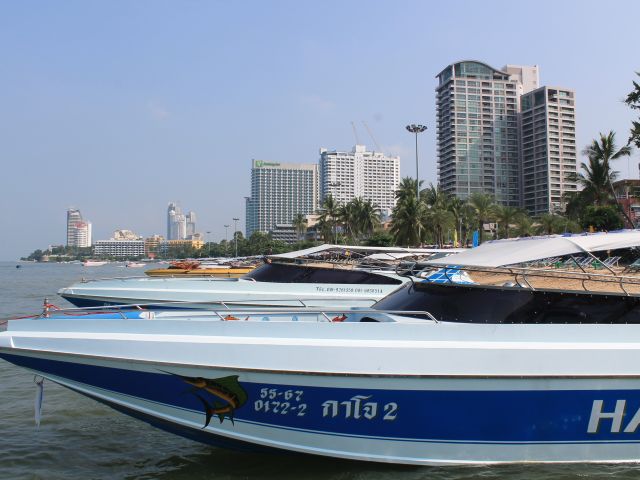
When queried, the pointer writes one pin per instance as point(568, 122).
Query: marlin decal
point(220, 397)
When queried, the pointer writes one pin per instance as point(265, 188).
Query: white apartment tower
point(373, 176)
point(280, 191)
point(549, 157)
point(78, 230)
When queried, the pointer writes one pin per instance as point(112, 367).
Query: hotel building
point(119, 248)
point(78, 230)
point(359, 173)
point(280, 191)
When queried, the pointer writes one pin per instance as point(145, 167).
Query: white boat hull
point(402, 393)
point(218, 291)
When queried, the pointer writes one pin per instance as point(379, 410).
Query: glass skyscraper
point(477, 129)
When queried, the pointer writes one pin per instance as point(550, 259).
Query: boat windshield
point(291, 273)
point(481, 304)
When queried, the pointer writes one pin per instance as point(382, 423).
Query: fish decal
point(220, 397)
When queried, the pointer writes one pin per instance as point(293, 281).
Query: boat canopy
point(499, 253)
point(364, 250)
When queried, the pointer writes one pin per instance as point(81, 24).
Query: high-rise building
point(549, 157)
point(280, 191)
point(190, 224)
point(500, 133)
point(78, 230)
point(359, 173)
point(477, 129)
point(176, 223)
point(527, 77)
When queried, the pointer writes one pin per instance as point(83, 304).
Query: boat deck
point(601, 281)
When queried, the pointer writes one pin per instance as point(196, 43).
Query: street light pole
point(416, 129)
point(208, 240)
point(235, 233)
point(226, 238)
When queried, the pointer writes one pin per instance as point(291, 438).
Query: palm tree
point(406, 189)
point(408, 214)
point(329, 215)
point(438, 220)
point(594, 181)
point(347, 216)
point(549, 223)
point(633, 100)
point(505, 216)
point(605, 151)
point(468, 222)
point(368, 218)
point(484, 207)
point(456, 207)
point(435, 196)
point(299, 223)
point(406, 225)
point(524, 226)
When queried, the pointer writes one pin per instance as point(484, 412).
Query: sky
point(120, 107)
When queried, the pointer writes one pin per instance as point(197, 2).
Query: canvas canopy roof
point(364, 250)
point(498, 253)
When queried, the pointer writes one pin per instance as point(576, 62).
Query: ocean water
point(81, 439)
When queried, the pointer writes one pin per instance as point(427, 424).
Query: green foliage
point(602, 218)
point(60, 253)
point(633, 101)
point(328, 222)
point(550, 223)
point(485, 210)
point(299, 223)
point(506, 217)
point(380, 239)
point(407, 225)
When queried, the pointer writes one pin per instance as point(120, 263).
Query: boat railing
point(225, 311)
point(163, 277)
point(530, 277)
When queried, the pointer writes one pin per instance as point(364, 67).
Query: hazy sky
point(119, 107)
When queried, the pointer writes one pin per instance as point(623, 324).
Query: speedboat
point(135, 264)
point(437, 373)
point(283, 281)
point(94, 263)
point(201, 269)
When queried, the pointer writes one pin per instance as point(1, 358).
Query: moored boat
point(197, 268)
point(285, 280)
point(436, 373)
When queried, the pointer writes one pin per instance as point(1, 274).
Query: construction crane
point(371, 135)
point(355, 133)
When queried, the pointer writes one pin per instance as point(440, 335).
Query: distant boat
point(93, 263)
point(134, 264)
point(201, 269)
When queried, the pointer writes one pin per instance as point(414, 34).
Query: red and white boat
point(94, 263)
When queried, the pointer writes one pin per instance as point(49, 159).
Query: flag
point(476, 238)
